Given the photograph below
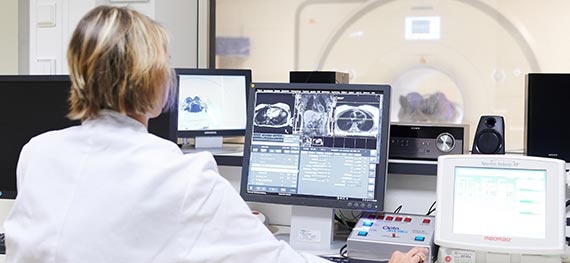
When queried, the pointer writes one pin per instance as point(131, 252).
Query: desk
point(395, 166)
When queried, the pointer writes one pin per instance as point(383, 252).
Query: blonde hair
point(118, 60)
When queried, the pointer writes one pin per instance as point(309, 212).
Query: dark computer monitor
point(30, 105)
point(34, 104)
point(546, 129)
point(316, 145)
point(212, 104)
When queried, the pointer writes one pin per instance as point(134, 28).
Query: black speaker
point(490, 136)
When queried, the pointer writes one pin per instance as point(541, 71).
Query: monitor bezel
point(381, 168)
point(555, 207)
point(211, 72)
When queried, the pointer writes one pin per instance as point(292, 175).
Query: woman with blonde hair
point(107, 190)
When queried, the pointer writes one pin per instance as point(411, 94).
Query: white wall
point(51, 23)
point(9, 37)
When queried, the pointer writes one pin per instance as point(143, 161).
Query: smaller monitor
point(212, 104)
point(501, 204)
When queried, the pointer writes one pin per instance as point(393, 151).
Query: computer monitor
point(212, 104)
point(317, 147)
point(546, 133)
point(30, 105)
point(34, 104)
point(506, 204)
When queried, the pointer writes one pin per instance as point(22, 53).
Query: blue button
point(420, 238)
point(362, 233)
point(367, 223)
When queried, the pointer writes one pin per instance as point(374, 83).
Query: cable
point(344, 251)
point(567, 224)
point(397, 210)
point(431, 208)
point(567, 202)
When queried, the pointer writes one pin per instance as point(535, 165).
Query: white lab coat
point(108, 191)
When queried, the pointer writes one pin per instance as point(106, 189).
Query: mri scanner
point(478, 74)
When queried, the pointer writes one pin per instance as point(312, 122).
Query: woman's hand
point(414, 255)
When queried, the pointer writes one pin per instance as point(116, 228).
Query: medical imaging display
point(354, 117)
point(194, 105)
point(315, 142)
point(211, 102)
point(314, 114)
point(273, 114)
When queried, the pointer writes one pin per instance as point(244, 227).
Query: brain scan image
point(314, 117)
point(272, 115)
point(194, 105)
point(356, 120)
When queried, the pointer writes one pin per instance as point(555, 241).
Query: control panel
point(377, 235)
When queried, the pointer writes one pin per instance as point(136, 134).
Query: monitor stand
point(312, 228)
point(214, 145)
point(201, 142)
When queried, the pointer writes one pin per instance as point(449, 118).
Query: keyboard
point(339, 259)
point(336, 259)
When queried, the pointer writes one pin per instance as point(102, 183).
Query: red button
point(371, 216)
point(408, 219)
point(393, 234)
point(389, 218)
point(426, 221)
point(398, 218)
point(380, 217)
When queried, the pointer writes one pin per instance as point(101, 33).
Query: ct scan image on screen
point(210, 102)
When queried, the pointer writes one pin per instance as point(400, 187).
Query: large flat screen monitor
point(212, 104)
point(318, 145)
point(501, 203)
point(34, 104)
point(30, 105)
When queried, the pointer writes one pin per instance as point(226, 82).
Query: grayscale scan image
point(272, 115)
point(314, 114)
point(359, 120)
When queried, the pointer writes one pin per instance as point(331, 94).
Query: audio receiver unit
point(427, 141)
